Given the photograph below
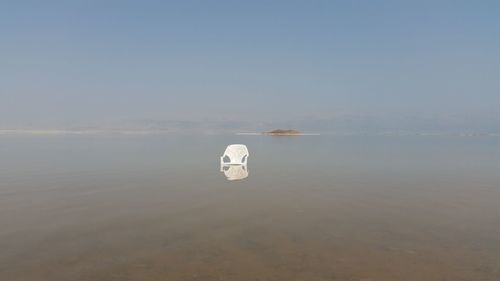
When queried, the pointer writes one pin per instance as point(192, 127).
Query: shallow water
point(311, 208)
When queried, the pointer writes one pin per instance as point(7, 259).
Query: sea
point(304, 208)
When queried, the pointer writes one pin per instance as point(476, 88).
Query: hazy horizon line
point(152, 132)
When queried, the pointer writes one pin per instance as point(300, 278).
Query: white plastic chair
point(237, 154)
point(235, 172)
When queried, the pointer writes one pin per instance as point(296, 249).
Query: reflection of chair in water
point(234, 162)
point(235, 172)
point(235, 154)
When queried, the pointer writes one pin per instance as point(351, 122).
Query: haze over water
point(312, 208)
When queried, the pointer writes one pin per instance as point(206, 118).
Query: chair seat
point(232, 163)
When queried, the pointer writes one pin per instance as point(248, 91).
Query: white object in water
point(235, 172)
point(235, 154)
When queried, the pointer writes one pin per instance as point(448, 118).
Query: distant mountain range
point(339, 125)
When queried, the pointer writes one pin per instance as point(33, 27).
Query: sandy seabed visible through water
point(322, 208)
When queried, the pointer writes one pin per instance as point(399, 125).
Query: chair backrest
point(237, 153)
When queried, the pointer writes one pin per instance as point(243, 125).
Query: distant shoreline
point(279, 133)
point(61, 132)
point(157, 132)
point(271, 134)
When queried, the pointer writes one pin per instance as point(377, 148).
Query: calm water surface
point(311, 208)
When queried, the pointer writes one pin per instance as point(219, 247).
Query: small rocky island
point(281, 132)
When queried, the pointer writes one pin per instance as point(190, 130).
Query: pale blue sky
point(91, 62)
